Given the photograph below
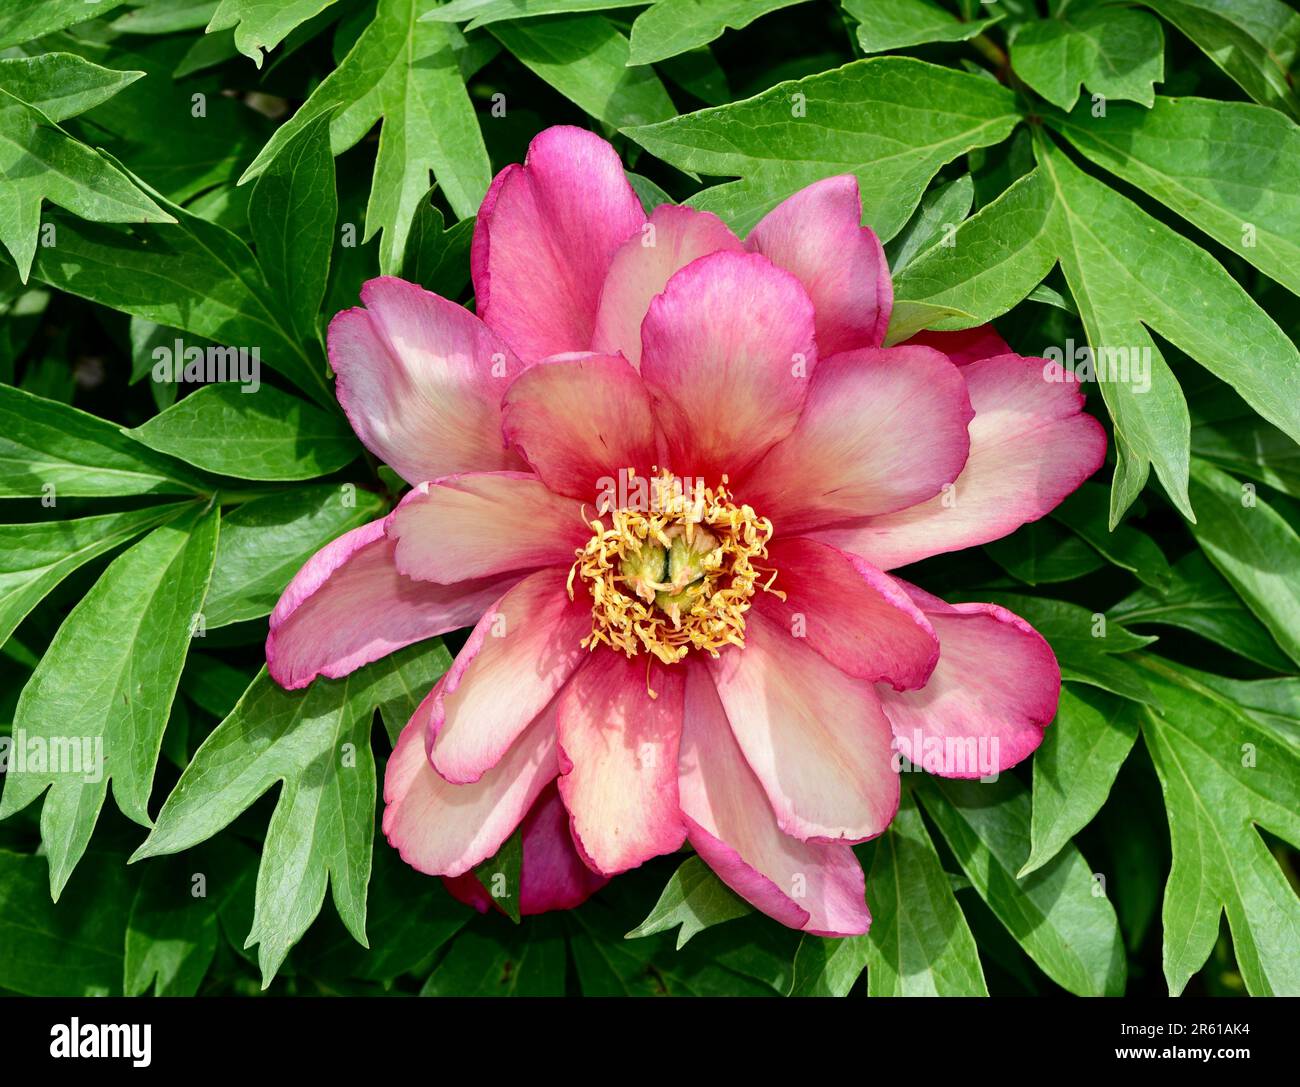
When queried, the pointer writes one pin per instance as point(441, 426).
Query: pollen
point(677, 576)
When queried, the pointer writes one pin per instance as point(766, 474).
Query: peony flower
point(665, 472)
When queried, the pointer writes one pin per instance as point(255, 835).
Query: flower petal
point(421, 379)
point(992, 694)
point(618, 760)
point(544, 239)
point(349, 606)
point(580, 419)
point(815, 738)
point(1030, 446)
point(814, 886)
point(883, 429)
point(968, 345)
point(642, 267)
point(483, 524)
point(552, 874)
point(726, 350)
point(443, 829)
point(853, 614)
point(518, 656)
point(817, 235)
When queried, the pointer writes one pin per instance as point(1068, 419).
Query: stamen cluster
point(677, 577)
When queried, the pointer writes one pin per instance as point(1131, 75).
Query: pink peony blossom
point(731, 665)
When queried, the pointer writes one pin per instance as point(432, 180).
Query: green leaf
point(1042, 552)
point(1248, 446)
point(494, 958)
point(1254, 41)
point(1055, 914)
point(1075, 767)
point(150, 120)
point(1087, 513)
point(670, 27)
point(251, 433)
point(61, 85)
point(481, 12)
point(1126, 271)
point(586, 59)
point(919, 943)
point(1199, 600)
point(1090, 648)
point(693, 898)
point(437, 258)
point(266, 541)
point(173, 931)
point(1254, 547)
point(196, 276)
point(698, 72)
point(609, 964)
point(410, 917)
point(21, 22)
point(1117, 52)
point(891, 121)
point(901, 24)
point(260, 25)
point(1275, 703)
point(292, 213)
point(212, 684)
point(649, 193)
point(942, 208)
point(1223, 775)
point(52, 451)
point(826, 966)
point(98, 702)
point(42, 162)
point(1227, 167)
point(501, 875)
point(406, 72)
point(165, 16)
point(73, 948)
point(317, 744)
point(34, 558)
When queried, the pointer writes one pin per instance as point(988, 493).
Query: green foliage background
point(230, 172)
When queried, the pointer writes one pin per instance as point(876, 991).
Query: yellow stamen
point(676, 578)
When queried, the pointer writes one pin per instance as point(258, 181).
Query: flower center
point(676, 576)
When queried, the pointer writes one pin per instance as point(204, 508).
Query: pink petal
point(883, 429)
point(992, 694)
point(518, 656)
point(727, 349)
point(468, 890)
point(544, 239)
point(421, 379)
point(968, 345)
point(579, 420)
point(349, 606)
point(443, 829)
point(1030, 446)
point(853, 614)
point(553, 875)
point(815, 738)
point(618, 760)
point(642, 267)
point(817, 235)
point(484, 524)
point(814, 886)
